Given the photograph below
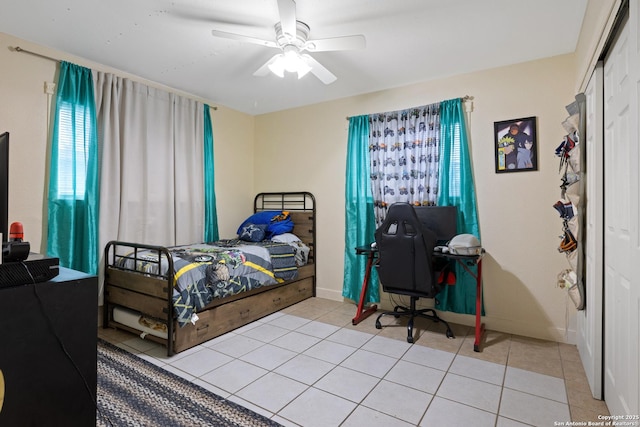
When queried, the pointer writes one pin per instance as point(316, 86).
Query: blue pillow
point(253, 232)
point(263, 217)
point(270, 219)
point(279, 227)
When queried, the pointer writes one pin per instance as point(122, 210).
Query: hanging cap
point(465, 244)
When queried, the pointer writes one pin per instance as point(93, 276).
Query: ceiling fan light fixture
point(290, 61)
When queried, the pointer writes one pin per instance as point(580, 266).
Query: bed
point(185, 295)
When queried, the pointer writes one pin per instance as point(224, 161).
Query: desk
point(464, 260)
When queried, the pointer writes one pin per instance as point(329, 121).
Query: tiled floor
point(308, 366)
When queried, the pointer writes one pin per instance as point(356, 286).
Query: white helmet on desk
point(465, 244)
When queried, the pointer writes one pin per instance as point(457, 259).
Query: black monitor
point(4, 185)
point(442, 220)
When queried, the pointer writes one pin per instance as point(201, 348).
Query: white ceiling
point(408, 41)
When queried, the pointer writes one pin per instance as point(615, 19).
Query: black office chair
point(405, 265)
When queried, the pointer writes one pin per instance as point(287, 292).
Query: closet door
point(621, 242)
point(589, 320)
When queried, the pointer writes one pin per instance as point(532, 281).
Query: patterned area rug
point(134, 392)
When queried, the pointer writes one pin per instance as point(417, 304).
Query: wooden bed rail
point(116, 253)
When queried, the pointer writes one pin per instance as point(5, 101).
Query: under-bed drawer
point(287, 295)
point(226, 317)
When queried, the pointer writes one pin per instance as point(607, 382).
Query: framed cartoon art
point(516, 145)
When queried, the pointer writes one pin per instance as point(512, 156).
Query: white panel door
point(621, 217)
point(589, 320)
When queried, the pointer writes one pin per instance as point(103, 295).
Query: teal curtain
point(457, 188)
point(73, 197)
point(359, 219)
point(210, 213)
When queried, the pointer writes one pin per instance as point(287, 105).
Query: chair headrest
point(398, 217)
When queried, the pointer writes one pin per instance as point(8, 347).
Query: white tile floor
point(302, 371)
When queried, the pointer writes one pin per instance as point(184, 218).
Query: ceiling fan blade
point(287, 10)
point(325, 76)
point(336, 43)
point(242, 38)
point(264, 70)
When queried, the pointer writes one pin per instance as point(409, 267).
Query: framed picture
point(516, 145)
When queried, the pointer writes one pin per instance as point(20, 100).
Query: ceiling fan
point(292, 38)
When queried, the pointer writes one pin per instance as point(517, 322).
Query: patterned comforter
point(216, 270)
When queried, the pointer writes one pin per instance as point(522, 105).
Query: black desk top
point(365, 250)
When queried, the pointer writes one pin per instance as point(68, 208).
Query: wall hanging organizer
point(570, 206)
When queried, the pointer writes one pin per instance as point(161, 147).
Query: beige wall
point(518, 223)
point(233, 143)
point(24, 114)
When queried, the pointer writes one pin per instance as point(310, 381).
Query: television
point(4, 186)
point(442, 220)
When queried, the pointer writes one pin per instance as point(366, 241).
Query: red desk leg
point(362, 312)
point(479, 324)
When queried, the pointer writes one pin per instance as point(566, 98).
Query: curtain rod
point(464, 99)
point(19, 49)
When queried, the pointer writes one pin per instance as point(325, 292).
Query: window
point(74, 126)
point(454, 165)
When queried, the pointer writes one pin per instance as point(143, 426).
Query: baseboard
point(330, 294)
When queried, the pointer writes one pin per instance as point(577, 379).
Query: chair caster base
point(413, 313)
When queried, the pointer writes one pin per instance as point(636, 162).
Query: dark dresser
point(48, 351)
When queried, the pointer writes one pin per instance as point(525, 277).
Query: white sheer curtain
point(152, 186)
